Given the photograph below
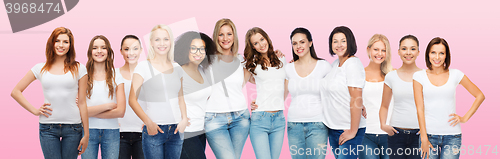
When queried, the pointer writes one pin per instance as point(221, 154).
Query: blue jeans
point(307, 140)
point(348, 150)
point(266, 133)
point(374, 147)
point(227, 133)
point(60, 141)
point(131, 145)
point(109, 139)
point(165, 145)
point(194, 145)
point(446, 146)
point(404, 145)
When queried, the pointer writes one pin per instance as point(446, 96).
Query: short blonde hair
point(151, 52)
point(386, 66)
point(215, 36)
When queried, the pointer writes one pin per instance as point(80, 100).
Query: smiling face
point(198, 47)
point(226, 37)
point(131, 50)
point(377, 52)
point(61, 46)
point(339, 44)
point(259, 43)
point(437, 55)
point(160, 41)
point(408, 51)
point(99, 51)
point(301, 45)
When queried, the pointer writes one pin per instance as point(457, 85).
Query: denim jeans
point(165, 145)
point(348, 150)
point(374, 147)
point(404, 145)
point(109, 139)
point(60, 141)
point(266, 133)
point(307, 140)
point(227, 133)
point(446, 146)
point(131, 145)
point(194, 145)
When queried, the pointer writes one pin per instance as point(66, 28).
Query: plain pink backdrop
point(470, 27)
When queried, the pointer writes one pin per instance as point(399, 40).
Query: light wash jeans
point(446, 146)
point(109, 139)
point(60, 141)
point(266, 133)
point(227, 133)
point(307, 140)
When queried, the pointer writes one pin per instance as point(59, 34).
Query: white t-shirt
point(61, 92)
point(372, 100)
point(130, 121)
point(440, 102)
point(159, 93)
point(196, 98)
point(227, 88)
point(100, 95)
point(305, 91)
point(270, 87)
point(404, 113)
point(335, 93)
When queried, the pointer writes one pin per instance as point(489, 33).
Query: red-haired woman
point(63, 79)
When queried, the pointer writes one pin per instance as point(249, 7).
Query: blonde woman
point(157, 87)
point(375, 139)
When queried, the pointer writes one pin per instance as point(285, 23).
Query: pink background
point(471, 29)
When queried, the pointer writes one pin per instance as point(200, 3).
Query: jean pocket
point(290, 126)
point(256, 116)
point(209, 117)
point(45, 128)
point(77, 128)
point(320, 125)
point(459, 136)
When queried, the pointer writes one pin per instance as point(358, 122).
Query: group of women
point(189, 91)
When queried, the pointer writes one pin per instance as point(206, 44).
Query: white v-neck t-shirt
point(335, 93)
point(440, 102)
point(305, 91)
point(270, 86)
point(404, 114)
point(100, 95)
point(159, 93)
point(61, 92)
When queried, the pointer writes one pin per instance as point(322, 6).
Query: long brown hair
point(69, 63)
point(110, 69)
point(253, 58)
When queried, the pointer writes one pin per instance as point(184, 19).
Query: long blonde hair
point(151, 52)
point(215, 36)
point(386, 66)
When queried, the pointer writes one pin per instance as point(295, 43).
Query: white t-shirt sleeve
point(118, 78)
point(355, 73)
point(37, 69)
point(459, 76)
point(325, 66)
point(418, 76)
point(283, 61)
point(82, 71)
point(142, 69)
point(388, 79)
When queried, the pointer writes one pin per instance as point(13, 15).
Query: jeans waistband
point(62, 125)
point(411, 131)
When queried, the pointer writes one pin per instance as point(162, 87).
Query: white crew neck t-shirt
point(130, 121)
point(61, 92)
point(335, 93)
point(227, 86)
point(440, 102)
point(159, 93)
point(305, 91)
point(100, 95)
point(270, 86)
point(404, 113)
point(372, 100)
point(196, 97)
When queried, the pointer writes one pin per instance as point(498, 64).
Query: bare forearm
point(477, 102)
